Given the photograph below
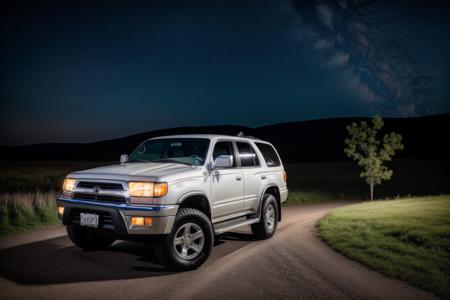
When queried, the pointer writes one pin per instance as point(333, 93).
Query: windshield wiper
point(163, 160)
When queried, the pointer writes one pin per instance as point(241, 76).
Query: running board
point(234, 223)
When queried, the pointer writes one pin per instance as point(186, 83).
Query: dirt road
point(294, 264)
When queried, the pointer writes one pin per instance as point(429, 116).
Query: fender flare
point(195, 193)
point(191, 193)
point(270, 185)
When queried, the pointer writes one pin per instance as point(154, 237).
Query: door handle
point(238, 178)
point(263, 177)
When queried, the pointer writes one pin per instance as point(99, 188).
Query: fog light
point(60, 210)
point(137, 220)
point(140, 221)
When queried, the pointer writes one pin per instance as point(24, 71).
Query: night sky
point(83, 71)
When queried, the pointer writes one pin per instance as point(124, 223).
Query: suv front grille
point(101, 185)
point(97, 197)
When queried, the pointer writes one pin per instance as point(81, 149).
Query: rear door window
point(247, 155)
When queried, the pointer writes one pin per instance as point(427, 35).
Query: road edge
point(35, 235)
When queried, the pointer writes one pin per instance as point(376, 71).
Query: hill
point(317, 140)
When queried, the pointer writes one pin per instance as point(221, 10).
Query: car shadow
point(59, 261)
point(236, 236)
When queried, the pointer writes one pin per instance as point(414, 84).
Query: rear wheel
point(190, 242)
point(89, 239)
point(267, 225)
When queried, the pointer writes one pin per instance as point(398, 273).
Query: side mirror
point(223, 161)
point(123, 158)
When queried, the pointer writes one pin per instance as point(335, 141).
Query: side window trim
point(236, 154)
point(258, 159)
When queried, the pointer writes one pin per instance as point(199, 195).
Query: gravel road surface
point(294, 264)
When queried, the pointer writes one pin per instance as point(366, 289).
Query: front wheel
point(267, 225)
point(190, 241)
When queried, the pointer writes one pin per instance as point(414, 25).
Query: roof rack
point(241, 134)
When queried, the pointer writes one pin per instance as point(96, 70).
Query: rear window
point(269, 154)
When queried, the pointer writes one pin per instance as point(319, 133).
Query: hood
point(152, 171)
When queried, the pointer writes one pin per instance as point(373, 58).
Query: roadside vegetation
point(27, 210)
point(408, 239)
point(307, 183)
point(28, 191)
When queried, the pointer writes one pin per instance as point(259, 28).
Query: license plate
point(89, 220)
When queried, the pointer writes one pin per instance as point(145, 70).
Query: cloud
point(325, 15)
point(382, 69)
point(339, 58)
point(322, 44)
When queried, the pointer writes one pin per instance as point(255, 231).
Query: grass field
point(307, 182)
point(340, 180)
point(408, 239)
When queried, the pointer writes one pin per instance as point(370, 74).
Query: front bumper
point(117, 216)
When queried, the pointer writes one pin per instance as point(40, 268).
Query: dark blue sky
point(83, 71)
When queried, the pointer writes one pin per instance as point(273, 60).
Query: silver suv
point(179, 190)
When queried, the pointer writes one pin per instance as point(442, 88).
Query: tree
point(364, 147)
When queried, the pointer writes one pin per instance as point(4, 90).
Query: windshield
point(189, 151)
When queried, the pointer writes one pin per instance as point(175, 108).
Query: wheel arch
point(273, 190)
point(197, 200)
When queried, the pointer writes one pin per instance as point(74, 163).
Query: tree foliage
point(364, 146)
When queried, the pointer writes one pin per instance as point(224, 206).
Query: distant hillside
point(318, 140)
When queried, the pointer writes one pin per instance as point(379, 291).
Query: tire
point(89, 239)
point(267, 225)
point(190, 241)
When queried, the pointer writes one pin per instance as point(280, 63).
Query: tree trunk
point(371, 191)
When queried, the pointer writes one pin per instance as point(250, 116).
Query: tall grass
point(28, 192)
point(20, 211)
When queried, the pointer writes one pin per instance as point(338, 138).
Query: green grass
point(408, 239)
point(24, 211)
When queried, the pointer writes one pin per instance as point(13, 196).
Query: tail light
point(285, 176)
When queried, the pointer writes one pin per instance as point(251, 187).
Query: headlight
point(69, 184)
point(147, 189)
